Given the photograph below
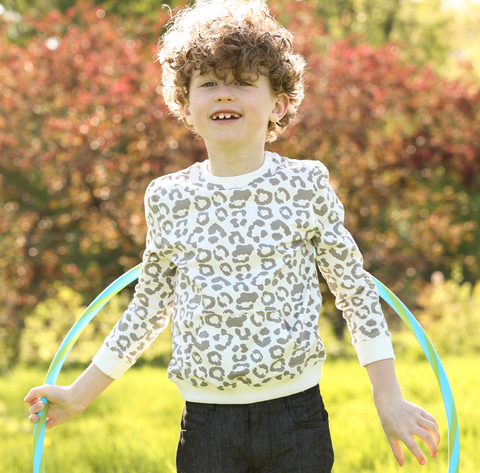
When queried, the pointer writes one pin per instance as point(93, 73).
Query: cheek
point(193, 115)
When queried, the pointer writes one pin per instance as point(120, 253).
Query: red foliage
point(403, 147)
point(83, 130)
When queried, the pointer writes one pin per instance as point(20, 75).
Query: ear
point(280, 109)
point(187, 114)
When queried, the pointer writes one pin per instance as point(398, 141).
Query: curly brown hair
point(229, 35)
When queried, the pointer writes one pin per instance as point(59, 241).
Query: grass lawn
point(133, 427)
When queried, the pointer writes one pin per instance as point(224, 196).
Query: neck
point(225, 163)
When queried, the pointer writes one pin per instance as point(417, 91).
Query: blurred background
point(392, 109)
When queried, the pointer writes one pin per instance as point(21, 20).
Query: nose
point(224, 93)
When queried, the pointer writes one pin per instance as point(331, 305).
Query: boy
point(230, 247)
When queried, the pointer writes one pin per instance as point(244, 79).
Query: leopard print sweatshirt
point(232, 260)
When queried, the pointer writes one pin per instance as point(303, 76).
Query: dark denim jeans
point(285, 435)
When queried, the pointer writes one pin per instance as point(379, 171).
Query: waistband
point(243, 394)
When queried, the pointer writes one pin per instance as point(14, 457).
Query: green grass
point(133, 427)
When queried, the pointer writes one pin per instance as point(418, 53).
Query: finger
point(36, 393)
point(397, 451)
point(33, 418)
point(426, 436)
point(431, 425)
point(415, 449)
point(32, 396)
point(50, 424)
point(429, 416)
point(37, 407)
point(31, 399)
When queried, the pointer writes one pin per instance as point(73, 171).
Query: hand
point(62, 407)
point(401, 420)
point(66, 402)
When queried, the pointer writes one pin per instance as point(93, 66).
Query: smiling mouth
point(225, 116)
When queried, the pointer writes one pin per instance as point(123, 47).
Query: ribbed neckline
point(240, 179)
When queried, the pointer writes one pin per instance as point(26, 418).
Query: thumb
point(397, 451)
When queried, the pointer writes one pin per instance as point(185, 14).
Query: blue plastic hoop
point(388, 296)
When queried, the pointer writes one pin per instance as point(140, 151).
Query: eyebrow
point(245, 77)
point(198, 77)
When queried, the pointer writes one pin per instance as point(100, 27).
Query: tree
point(83, 130)
point(428, 26)
point(403, 148)
point(424, 24)
point(38, 8)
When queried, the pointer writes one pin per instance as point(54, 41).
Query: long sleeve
point(341, 264)
point(149, 311)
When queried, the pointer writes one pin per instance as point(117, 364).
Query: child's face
point(233, 114)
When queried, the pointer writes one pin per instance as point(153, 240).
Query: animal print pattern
point(237, 264)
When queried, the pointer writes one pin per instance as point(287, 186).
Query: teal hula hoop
point(451, 411)
point(54, 370)
point(388, 296)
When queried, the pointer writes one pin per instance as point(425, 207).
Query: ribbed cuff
point(109, 363)
point(373, 350)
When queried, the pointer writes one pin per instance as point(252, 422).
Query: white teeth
point(226, 115)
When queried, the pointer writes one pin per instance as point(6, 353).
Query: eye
point(208, 84)
point(243, 83)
